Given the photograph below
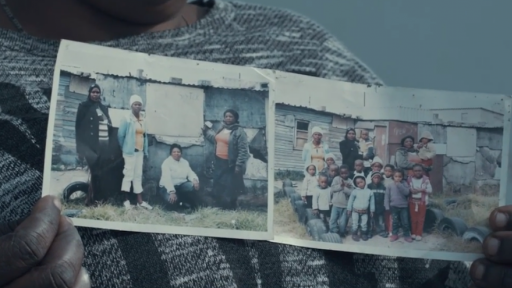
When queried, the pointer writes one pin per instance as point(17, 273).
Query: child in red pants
point(420, 189)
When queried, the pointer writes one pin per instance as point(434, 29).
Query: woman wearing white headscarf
point(133, 139)
point(314, 151)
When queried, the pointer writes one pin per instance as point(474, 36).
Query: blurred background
point(455, 45)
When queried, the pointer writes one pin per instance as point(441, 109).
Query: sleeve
point(351, 200)
point(209, 135)
point(402, 161)
point(166, 179)
point(121, 132)
point(431, 151)
point(342, 152)
point(429, 187)
point(146, 144)
point(80, 114)
point(372, 202)
point(404, 188)
point(191, 175)
point(243, 149)
point(336, 185)
point(347, 191)
point(371, 153)
point(316, 196)
point(386, 197)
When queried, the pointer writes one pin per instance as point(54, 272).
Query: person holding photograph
point(407, 156)
point(341, 189)
point(231, 156)
point(178, 183)
point(420, 189)
point(395, 200)
point(95, 144)
point(358, 202)
point(133, 139)
point(315, 151)
point(349, 149)
point(322, 199)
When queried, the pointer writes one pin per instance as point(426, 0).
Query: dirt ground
point(287, 225)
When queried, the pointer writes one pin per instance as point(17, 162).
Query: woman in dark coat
point(97, 144)
point(231, 156)
point(349, 149)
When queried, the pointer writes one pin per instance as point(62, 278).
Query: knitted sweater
point(231, 33)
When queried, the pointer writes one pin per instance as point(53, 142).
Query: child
point(388, 179)
point(341, 189)
point(309, 185)
point(395, 200)
point(379, 190)
point(388, 174)
point(358, 169)
point(376, 166)
point(330, 159)
point(332, 173)
point(322, 198)
point(357, 205)
point(420, 189)
point(427, 151)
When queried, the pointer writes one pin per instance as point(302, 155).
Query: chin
point(140, 11)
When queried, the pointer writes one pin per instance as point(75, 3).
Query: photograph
point(166, 145)
point(403, 172)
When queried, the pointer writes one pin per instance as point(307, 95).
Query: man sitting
point(178, 184)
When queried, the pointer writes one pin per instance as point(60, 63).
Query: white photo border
point(300, 87)
point(70, 59)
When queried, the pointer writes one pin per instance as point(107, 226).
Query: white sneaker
point(413, 236)
point(127, 205)
point(145, 205)
point(418, 238)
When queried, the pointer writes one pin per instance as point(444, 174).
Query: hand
point(196, 184)
point(173, 197)
point(315, 211)
point(43, 250)
point(495, 270)
point(420, 145)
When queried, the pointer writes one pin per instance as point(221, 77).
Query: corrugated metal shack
point(467, 140)
point(168, 122)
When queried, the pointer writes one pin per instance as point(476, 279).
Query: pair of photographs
point(146, 143)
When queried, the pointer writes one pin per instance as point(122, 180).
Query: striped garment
point(232, 33)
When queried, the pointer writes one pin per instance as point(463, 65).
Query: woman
point(349, 149)
point(133, 140)
point(178, 183)
point(315, 151)
point(231, 156)
point(94, 139)
point(407, 156)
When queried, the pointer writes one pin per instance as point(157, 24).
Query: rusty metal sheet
point(398, 130)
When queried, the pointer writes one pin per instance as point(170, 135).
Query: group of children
point(381, 200)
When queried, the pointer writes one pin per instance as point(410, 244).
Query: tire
point(72, 213)
point(476, 234)
point(289, 191)
point(287, 183)
point(294, 198)
point(310, 215)
point(432, 218)
point(300, 208)
point(452, 224)
point(316, 228)
point(297, 205)
point(74, 187)
point(331, 238)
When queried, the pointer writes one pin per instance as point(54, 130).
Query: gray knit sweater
point(232, 33)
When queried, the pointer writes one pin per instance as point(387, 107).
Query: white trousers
point(133, 172)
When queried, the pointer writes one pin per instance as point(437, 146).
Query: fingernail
point(492, 245)
point(501, 219)
point(57, 203)
point(479, 271)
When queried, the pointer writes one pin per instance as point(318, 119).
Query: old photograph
point(175, 146)
point(401, 172)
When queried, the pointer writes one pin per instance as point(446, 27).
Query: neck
point(136, 114)
point(59, 19)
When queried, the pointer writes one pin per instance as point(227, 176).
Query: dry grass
point(286, 223)
point(474, 209)
point(201, 218)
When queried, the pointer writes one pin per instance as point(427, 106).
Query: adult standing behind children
point(407, 156)
point(341, 189)
point(315, 151)
point(349, 149)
